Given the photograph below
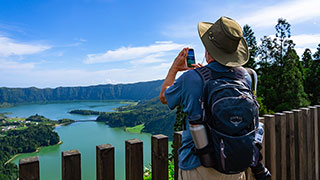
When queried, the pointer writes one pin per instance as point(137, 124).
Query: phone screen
point(190, 58)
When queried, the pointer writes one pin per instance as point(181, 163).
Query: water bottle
point(200, 139)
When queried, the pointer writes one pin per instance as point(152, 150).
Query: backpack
point(231, 117)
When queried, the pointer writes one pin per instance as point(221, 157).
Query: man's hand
point(180, 63)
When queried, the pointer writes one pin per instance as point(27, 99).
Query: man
point(225, 48)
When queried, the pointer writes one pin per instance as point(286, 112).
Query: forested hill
point(156, 117)
point(134, 91)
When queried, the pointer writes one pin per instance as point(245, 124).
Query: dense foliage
point(135, 91)
point(248, 34)
point(85, 112)
point(23, 141)
point(157, 118)
point(280, 76)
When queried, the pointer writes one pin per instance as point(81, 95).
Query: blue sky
point(87, 42)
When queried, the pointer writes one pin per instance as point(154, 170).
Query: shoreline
point(37, 150)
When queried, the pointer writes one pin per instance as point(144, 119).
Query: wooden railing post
point(71, 165)
point(312, 156)
point(291, 156)
point(270, 144)
point(105, 162)
point(297, 115)
point(303, 158)
point(281, 147)
point(29, 168)
point(317, 141)
point(177, 144)
point(134, 159)
point(159, 157)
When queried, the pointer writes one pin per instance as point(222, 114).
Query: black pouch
point(232, 154)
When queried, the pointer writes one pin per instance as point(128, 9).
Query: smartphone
point(191, 58)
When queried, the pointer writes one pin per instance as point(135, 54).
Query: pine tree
point(281, 81)
point(306, 64)
point(248, 34)
point(316, 55)
point(312, 84)
point(307, 58)
point(266, 82)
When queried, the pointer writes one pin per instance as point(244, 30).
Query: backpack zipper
point(231, 97)
point(222, 155)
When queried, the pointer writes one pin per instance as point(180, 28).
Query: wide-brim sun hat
point(224, 41)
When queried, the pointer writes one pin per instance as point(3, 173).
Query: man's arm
point(171, 76)
point(179, 64)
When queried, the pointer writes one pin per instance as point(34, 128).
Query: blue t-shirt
point(187, 91)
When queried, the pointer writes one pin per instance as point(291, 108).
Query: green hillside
point(156, 117)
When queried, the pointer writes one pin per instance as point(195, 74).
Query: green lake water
point(84, 136)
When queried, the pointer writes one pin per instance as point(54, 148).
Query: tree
point(316, 55)
point(312, 80)
point(248, 35)
point(281, 81)
point(307, 58)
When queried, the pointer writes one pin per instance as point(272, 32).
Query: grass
point(14, 119)
point(21, 128)
point(129, 102)
point(135, 129)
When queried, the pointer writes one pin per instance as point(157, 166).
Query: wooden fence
point(290, 150)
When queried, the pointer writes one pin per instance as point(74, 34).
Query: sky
point(53, 43)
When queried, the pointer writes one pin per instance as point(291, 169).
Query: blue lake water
point(84, 136)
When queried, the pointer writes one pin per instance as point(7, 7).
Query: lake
point(84, 136)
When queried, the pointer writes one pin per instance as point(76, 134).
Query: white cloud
point(12, 66)
point(294, 11)
point(150, 63)
point(306, 40)
point(153, 58)
point(9, 47)
point(130, 53)
point(301, 50)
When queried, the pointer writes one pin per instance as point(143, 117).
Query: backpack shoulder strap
point(205, 73)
